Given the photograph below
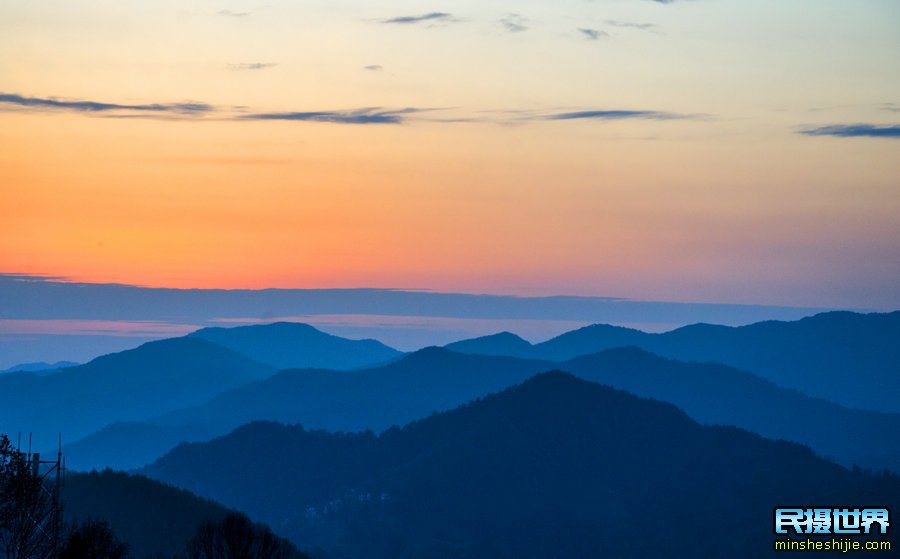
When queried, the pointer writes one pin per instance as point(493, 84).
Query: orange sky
point(712, 195)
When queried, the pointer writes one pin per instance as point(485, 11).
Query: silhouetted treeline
point(154, 519)
point(237, 537)
point(93, 539)
point(122, 514)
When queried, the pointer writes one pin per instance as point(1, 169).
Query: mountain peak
point(502, 343)
point(296, 345)
point(270, 328)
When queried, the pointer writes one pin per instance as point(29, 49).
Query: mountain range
point(436, 379)
point(475, 450)
point(167, 375)
point(136, 384)
point(849, 358)
point(126, 409)
point(554, 467)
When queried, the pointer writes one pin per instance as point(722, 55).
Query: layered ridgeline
point(291, 345)
point(437, 380)
point(848, 358)
point(38, 367)
point(395, 394)
point(163, 376)
point(154, 378)
point(554, 467)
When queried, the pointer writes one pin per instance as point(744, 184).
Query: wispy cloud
point(252, 66)
point(514, 23)
point(631, 25)
point(892, 107)
point(429, 17)
point(618, 114)
point(365, 115)
point(229, 13)
point(80, 105)
point(374, 67)
point(371, 115)
point(592, 34)
point(855, 131)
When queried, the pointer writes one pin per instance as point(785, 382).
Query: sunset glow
point(670, 154)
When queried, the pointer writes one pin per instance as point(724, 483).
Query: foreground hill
point(437, 380)
point(290, 345)
point(154, 519)
point(136, 384)
point(139, 510)
point(555, 467)
point(848, 358)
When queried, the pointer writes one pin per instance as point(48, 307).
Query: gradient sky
point(690, 150)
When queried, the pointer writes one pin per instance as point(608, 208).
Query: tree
point(28, 519)
point(93, 539)
point(237, 537)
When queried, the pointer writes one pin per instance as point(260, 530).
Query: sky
point(709, 151)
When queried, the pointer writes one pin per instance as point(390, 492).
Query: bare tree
point(28, 519)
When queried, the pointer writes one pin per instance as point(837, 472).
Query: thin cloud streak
point(855, 131)
point(252, 66)
point(651, 27)
point(373, 115)
point(51, 103)
point(364, 115)
point(407, 20)
point(605, 114)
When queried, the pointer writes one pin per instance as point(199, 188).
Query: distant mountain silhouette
point(848, 358)
point(127, 445)
point(431, 379)
point(291, 345)
point(38, 367)
point(438, 379)
point(555, 467)
point(136, 384)
point(504, 343)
